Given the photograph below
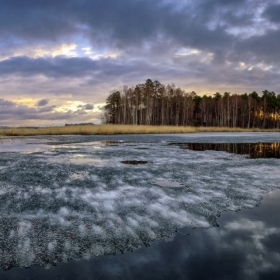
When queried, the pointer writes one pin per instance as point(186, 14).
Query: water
point(134, 162)
point(70, 197)
point(252, 150)
point(244, 246)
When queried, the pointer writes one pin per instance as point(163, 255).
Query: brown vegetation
point(108, 129)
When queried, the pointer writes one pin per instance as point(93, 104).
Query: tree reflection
point(253, 150)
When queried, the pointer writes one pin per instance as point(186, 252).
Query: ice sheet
point(75, 198)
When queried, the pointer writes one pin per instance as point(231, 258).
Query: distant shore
point(120, 129)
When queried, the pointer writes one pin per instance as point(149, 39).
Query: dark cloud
point(86, 107)
point(260, 48)
point(58, 67)
point(9, 108)
point(273, 13)
point(26, 19)
point(6, 103)
point(52, 19)
point(51, 67)
point(131, 24)
point(123, 23)
point(42, 102)
point(46, 109)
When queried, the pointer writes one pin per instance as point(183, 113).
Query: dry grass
point(120, 129)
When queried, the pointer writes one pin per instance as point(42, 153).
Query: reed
point(120, 129)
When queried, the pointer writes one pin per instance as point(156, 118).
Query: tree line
point(153, 103)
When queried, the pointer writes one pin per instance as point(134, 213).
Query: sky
point(60, 59)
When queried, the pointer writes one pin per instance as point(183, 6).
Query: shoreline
point(109, 129)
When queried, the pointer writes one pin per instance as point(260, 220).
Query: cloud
point(86, 107)
point(81, 50)
point(130, 25)
point(123, 23)
point(273, 13)
point(260, 48)
point(52, 67)
point(12, 113)
point(26, 19)
point(42, 102)
point(6, 103)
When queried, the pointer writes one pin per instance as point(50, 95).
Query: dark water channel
point(246, 245)
point(253, 150)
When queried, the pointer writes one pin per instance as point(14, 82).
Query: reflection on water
point(23, 145)
point(245, 246)
point(253, 150)
point(111, 142)
point(134, 162)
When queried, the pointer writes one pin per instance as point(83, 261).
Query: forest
point(153, 103)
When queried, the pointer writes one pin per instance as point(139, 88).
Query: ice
point(78, 199)
point(168, 184)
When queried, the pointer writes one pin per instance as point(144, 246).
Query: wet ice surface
point(72, 197)
point(168, 184)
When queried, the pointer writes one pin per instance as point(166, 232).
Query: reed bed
point(120, 129)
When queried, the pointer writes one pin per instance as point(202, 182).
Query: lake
point(122, 207)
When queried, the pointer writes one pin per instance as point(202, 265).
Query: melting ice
point(73, 197)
